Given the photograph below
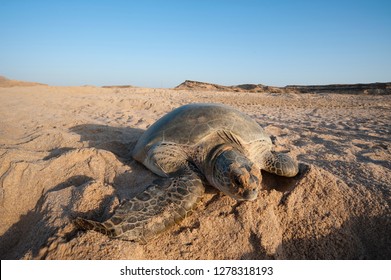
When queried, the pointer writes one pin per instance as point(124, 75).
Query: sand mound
point(4, 82)
point(73, 158)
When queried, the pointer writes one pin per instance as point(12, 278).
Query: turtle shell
point(188, 124)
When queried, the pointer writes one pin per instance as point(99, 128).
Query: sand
point(65, 152)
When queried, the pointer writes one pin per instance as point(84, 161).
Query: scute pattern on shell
point(188, 124)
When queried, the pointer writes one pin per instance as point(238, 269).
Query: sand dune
point(4, 82)
point(65, 152)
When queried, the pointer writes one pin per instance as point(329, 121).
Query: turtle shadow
point(13, 243)
point(36, 229)
point(118, 140)
point(283, 184)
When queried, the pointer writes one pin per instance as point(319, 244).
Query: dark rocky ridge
point(368, 89)
point(119, 86)
point(371, 89)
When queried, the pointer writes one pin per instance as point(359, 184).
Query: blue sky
point(162, 43)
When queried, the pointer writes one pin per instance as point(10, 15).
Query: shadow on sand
point(358, 238)
point(118, 140)
point(35, 228)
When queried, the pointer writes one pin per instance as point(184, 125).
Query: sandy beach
point(65, 152)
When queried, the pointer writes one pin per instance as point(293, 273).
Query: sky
point(163, 43)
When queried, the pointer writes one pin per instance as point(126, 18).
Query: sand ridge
point(65, 151)
point(5, 82)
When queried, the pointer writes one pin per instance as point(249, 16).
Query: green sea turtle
point(194, 145)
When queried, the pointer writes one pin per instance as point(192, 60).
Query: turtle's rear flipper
point(105, 228)
point(164, 203)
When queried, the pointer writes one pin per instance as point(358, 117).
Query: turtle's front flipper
point(162, 204)
point(279, 163)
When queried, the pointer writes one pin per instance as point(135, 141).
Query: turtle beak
point(250, 194)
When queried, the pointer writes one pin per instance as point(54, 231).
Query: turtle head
point(235, 175)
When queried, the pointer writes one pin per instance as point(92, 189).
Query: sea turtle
point(194, 145)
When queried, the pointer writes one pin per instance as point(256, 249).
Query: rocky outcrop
point(369, 89)
point(119, 86)
point(194, 85)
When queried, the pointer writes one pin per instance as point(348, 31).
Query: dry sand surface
point(65, 151)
